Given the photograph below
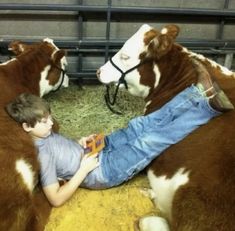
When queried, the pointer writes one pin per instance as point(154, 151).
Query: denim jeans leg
point(138, 124)
point(122, 136)
point(183, 116)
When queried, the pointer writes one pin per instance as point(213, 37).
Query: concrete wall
point(64, 25)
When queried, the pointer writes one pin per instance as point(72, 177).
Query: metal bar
point(97, 44)
point(81, 52)
point(153, 10)
point(176, 11)
point(80, 35)
point(228, 60)
point(88, 76)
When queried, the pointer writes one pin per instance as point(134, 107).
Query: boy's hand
point(84, 140)
point(89, 163)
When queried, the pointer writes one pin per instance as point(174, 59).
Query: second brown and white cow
point(37, 70)
point(193, 182)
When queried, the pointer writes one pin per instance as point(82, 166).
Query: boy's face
point(41, 129)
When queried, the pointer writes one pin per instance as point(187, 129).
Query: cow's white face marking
point(44, 85)
point(26, 172)
point(165, 188)
point(126, 58)
point(134, 86)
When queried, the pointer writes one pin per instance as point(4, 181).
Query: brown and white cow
point(193, 182)
point(37, 70)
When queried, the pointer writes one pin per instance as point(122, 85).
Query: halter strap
point(63, 74)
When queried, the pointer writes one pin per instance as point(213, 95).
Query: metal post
point(108, 30)
point(228, 60)
point(80, 37)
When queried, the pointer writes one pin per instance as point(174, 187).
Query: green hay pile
point(82, 111)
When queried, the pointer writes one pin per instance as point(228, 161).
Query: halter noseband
point(122, 80)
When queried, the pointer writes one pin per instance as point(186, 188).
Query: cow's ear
point(16, 47)
point(58, 55)
point(160, 45)
point(171, 30)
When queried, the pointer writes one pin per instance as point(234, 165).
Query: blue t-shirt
point(59, 157)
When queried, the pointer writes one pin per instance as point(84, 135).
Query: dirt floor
point(82, 111)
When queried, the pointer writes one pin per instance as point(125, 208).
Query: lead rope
point(108, 101)
point(122, 80)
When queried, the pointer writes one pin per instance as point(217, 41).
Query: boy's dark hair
point(28, 108)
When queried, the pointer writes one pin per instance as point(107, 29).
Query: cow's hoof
point(152, 223)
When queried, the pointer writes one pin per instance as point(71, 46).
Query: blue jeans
point(130, 150)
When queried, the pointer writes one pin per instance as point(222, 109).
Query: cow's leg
point(152, 223)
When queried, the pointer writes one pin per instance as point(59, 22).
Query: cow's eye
point(124, 56)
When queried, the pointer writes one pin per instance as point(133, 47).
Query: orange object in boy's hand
point(95, 145)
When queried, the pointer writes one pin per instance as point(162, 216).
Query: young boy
point(126, 152)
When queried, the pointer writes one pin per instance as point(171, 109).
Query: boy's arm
point(58, 195)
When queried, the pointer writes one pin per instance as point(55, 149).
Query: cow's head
point(146, 47)
point(53, 75)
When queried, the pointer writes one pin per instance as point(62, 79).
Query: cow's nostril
point(98, 73)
